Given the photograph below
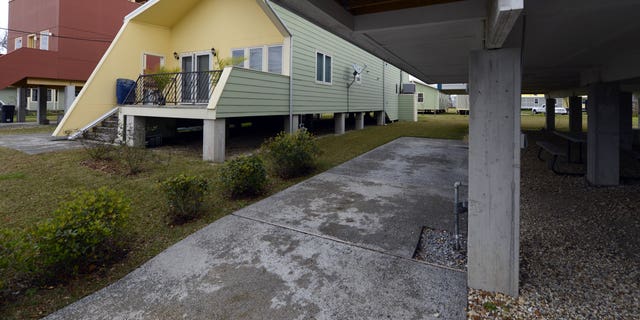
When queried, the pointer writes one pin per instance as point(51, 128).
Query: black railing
point(174, 88)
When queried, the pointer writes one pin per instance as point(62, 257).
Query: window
point(420, 97)
point(50, 95)
point(18, 43)
point(323, 68)
point(44, 40)
point(274, 63)
point(265, 58)
point(31, 41)
point(238, 54)
point(34, 95)
point(255, 59)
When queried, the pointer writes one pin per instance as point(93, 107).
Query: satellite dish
point(357, 69)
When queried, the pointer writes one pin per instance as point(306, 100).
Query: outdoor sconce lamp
point(175, 55)
point(213, 52)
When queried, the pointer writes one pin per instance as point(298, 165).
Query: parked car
point(543, 109)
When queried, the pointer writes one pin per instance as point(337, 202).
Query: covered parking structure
point(503, 48)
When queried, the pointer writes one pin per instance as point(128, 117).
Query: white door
point(196, 78)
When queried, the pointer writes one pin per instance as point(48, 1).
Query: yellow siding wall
point(221, 24)
point(122, 60)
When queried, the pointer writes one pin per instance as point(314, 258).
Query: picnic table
point(578, 138)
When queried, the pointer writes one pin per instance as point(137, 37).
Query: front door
point(196, 79)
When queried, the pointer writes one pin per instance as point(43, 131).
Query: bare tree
point(3, 41)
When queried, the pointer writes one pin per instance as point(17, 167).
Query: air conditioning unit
point(408, 88)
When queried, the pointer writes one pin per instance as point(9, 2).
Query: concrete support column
point(603, 139)
point(575, 114)
point(213, 140)
point(339, 119)
point(494, 170)
point(550, 114)
point(359, 120)
point(626, 121)
point(42, 105)
point(22, 104)
point(380, 118)
point(291, 125)
point(69, 97)
point(136, 131)
point(122, 120)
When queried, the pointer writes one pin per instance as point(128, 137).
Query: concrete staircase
point(105, 131)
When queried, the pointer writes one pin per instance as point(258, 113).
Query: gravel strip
point(437, 247)
point(579, 249)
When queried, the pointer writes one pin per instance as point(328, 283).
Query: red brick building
point(54, 45)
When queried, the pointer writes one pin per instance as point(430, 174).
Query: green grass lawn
point(32, 187)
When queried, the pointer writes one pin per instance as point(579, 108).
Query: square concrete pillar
point(380, 118)
point(21, 104)
point(550, 114)
point(603, 137)
point(69, 97)
point(626, 121)
point(359, 120)
point(42, 105)
point(575, 114)
point(213, 140)
point(494, 170)
point(291, 124)
point(135, 135)
point(339, 119)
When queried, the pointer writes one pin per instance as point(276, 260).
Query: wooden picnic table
point(573, 137)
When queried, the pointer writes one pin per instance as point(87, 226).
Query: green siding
point(431, 99)
point(312, 97)
point(407, 108)
point(253, 93)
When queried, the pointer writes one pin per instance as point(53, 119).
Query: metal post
point(456, 191)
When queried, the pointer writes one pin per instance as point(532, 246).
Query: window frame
point(265, 57)
point(45, 34)
point(324, 68)
point(281, 58)
point(262, 58)
point(420, 97)
point(16, 41)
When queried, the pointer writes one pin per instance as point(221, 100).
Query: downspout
point(384, 87)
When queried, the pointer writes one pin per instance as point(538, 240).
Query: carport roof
point(567, 44)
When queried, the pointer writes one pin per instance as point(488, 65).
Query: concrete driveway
point(36, 143)
point(337, 246)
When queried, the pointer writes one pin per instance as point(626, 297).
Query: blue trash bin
point(123, 88)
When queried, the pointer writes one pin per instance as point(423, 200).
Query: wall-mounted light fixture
point(213, 51)
point(175, 55)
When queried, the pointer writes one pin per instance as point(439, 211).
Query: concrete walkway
point(337, 246)
point(36, 143)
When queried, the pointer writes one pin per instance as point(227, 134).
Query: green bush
point(291, 155)
point(185, 195)
point(244, 176)
point(133, 158)
point(84, 232)
point(17, 257)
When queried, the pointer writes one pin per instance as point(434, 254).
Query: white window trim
point(17, 41)
point(315, 71)
point(45, 34)
point(265, 56)
point(144, 59)
point(418, 97)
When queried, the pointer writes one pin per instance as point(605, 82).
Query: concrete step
point(105, 130)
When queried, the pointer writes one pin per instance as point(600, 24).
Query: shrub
point(133, 158)
point(96, 146)
point(291, 155)
point(244, 176)
point(84, 232)
point(185, 195)
point(16, 259)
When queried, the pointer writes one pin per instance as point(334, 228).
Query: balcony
point(178, 89)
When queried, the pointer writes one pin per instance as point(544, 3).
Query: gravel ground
point(437, 247)
point(579, 250)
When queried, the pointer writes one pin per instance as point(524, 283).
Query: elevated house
point(284, 66)
point(53, 45)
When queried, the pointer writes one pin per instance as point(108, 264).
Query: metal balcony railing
point(174, 88)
